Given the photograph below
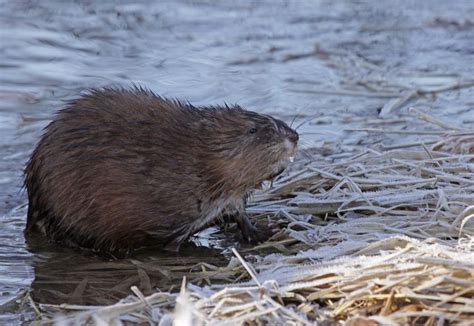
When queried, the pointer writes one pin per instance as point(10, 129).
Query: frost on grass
point(380, 238)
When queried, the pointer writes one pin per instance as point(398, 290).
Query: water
point(260, 54)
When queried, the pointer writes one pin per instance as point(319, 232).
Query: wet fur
point(119, 166)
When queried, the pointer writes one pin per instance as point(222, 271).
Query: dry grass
point(380, 238)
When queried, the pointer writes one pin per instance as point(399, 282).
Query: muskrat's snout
point(293, 136)
point(290, 136)
point(287, 148)
point(287, 132)
point(291, 144)
point(290, 140)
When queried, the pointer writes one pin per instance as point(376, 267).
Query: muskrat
point(117, 167)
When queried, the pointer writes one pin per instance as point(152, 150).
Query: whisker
point(307, 120)
point(297, 115)
point(315, 133)
point(310, 143)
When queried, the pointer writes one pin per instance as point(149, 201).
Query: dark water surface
point(277, 57)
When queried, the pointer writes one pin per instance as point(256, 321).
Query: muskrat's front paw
point(256, 235)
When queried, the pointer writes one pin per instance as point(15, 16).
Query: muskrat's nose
point(293, 136)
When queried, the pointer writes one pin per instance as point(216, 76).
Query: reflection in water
point(268, 56)
point(64, 275)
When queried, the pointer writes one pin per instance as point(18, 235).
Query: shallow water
point(260, 54)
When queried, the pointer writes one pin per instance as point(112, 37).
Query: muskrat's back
point(118, 167)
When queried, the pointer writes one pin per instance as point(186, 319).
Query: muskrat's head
point(247, 147)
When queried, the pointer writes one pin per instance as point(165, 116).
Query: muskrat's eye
point(253, 130)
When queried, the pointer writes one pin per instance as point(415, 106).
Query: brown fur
point(118, 166)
